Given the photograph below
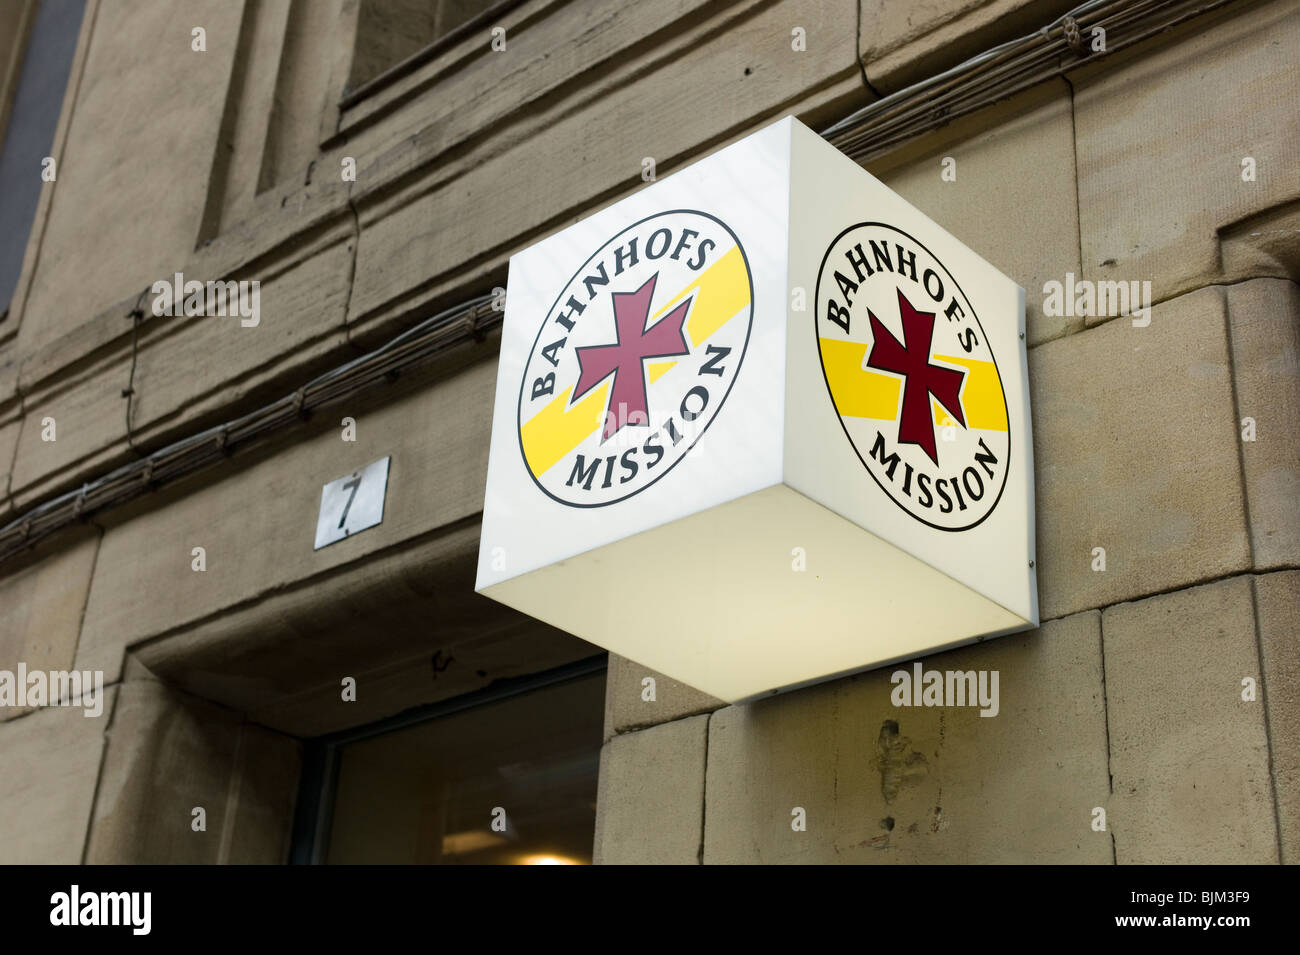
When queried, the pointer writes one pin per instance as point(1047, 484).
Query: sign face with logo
point(671, 305)
point(912, 374)
point(761, 424)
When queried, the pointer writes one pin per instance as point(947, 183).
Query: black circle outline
point(834, 404)
point(749, 275)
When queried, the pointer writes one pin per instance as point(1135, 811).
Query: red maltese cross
point(625, 357)
point(921, 379)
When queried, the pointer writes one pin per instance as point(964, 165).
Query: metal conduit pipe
point(1005, 70)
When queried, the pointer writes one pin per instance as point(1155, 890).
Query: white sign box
point(761, 424)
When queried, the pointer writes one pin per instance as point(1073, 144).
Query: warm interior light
point(463, 843)
point(547, 860)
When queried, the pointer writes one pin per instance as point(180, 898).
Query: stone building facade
point(215, 139)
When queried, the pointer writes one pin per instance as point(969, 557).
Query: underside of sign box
point(818, 595)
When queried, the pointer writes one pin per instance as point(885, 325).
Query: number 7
point(354, 484)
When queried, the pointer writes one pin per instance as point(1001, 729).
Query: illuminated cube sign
point(761, 424)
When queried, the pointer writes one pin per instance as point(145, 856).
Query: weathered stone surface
point(41, 605)
point(237, 171)
point(166, 756)
point(1263, 244)
point(170, 754)
point(299, 308)
point(261, 820)
point(651, 802)
point(548, 45)
point(1162, 131)
point(1013, 200)
point(89, 413)
point(49, 763)
point(413, 632)
point(1135, 452)
point(139, 149)
point(256, 519)
point(8, 446)
point(292, 143)
point(1277, 610)
point(887, 784)
point(903, 43)
point(1264, 316)
point(739, 64)
point(1188, 757)
point(626, 709)
point(189, 370)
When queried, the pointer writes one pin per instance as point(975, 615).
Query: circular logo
point(912, 376)
point(635, 358)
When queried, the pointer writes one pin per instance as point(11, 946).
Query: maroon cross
point(625, 357)
point(921, 379)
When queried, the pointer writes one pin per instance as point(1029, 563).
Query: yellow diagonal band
point(721, 293)
point(862, 393)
